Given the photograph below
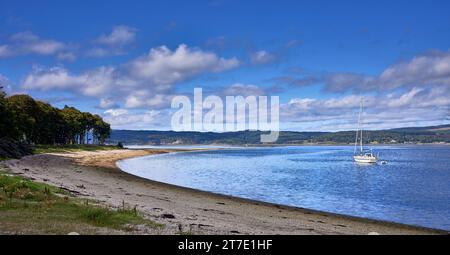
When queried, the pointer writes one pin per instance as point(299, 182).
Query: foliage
point(5, 116)
point(35, 122)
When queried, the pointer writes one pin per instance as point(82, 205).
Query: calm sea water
point(412, 188)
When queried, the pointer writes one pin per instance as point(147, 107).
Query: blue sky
point(125, 59)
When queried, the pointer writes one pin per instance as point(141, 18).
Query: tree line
point(35, 122)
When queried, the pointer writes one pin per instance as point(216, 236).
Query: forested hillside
point(439, 134)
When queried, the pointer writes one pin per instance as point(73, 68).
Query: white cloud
point(417, 106)
point(145, 99)
point(100, 81)
point(119, 36)
point(341, 82)
point(53, 78)
point(430, 69)
point(405, 99)
point(45, 47)
point(116, 112)
point(125, 119)
point(95, 82)
point(146, 81)
point(427, 69)
point(24, 43)
point(28, 43)
point(106, 103)
point(262, 57)
point(162, 66)
point(299, 104)
point(112, 44)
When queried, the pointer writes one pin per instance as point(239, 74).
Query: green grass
point(39, 149)
point(17, 187)
point(30, 207)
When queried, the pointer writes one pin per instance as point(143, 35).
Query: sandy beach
point(94, 175)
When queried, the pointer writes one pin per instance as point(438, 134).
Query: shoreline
point(184, 146)
point(186, 209)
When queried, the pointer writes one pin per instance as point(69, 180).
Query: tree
point(88, 123)
point(49, 125)
point(24, 119)
point(4, 115)
point(79, 124)
point(24, 111)
point(73, 119)
point(100, 129)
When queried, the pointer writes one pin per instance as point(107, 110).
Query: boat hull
point(365, 159)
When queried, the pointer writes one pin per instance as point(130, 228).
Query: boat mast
point(361, 141)
point(359, 125)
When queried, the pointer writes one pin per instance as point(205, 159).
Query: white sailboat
point(363, 156)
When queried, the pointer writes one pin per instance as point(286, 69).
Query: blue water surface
point(412, 188)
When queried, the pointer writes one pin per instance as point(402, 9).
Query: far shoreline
point(243, 146)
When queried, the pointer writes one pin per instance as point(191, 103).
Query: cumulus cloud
point(146, 99)
point(53, 78)
point(146, 81)
point(120, 35)
point(107, 103)
point(116, 112)
point(427, 69)
point(262, 57)
point(417, 106)
point(95, 82)
point(341, 82)
point(164, 66)
point(125, 119)
point(114, 43)
point(28, 43)
point(32, 43)
point(430, 69)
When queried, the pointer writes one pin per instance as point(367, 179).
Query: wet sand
point(94, 175)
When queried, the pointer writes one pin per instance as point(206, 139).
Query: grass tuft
point(34, 204)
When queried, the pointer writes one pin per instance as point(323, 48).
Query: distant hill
point(435, 134)
point(442, 128)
